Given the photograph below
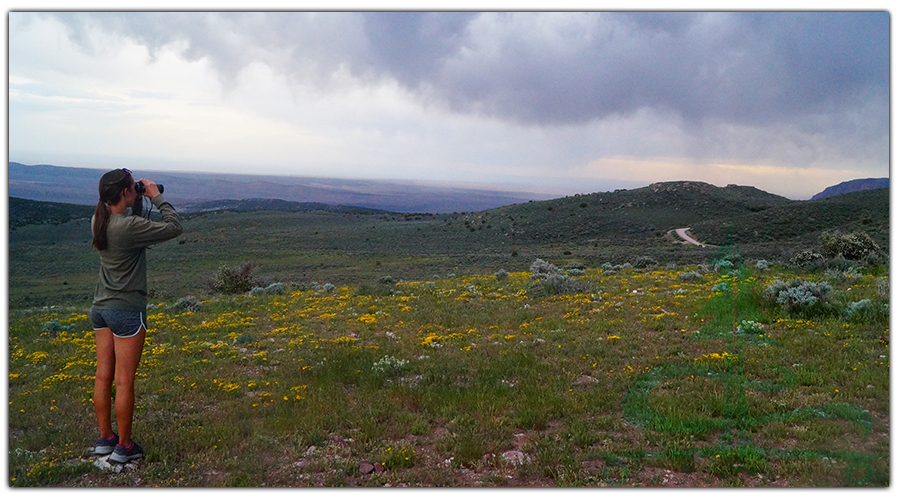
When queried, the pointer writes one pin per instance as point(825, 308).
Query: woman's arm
point(145, 232)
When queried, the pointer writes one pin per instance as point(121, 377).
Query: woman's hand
point(151, 190)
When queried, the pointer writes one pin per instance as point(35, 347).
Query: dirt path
point(683, 234)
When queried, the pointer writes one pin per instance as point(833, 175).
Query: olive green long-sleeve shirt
point(123, 263)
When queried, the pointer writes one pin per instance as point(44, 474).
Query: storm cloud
point(720, 86)
point(554, 68)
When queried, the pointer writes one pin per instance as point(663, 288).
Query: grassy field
point(649, 378)
point(55, 265)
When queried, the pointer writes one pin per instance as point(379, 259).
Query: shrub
point(189, 303)
point(762, 265)
point(387, 280)
point(722, 264)
point(866, 311)
point(541, 267)
point(689, 275)
point(54, 327)
point(501, 274)
point(326, 288)
point(850, 274)
point(576, 272)
point(800, 296)
point(807, 259)
point(839, 263)
point(644, 261)
point(883, 286)
point(549, 280)
point(748, 327)
point(244, 338)
point(273, 289)
point(852, 246)
point(235, 280)
point(389, 365)
point(557, 284)
point(375, 290)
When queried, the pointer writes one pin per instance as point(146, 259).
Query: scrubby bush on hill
point(235, 280)
point(54, 327)
point(557, 284)
point(800, 297)
point(189, 303)
point(273, 289)
point(323, 288)
point(853, 246)
point(722, 265)
point(748, 327)
point(807, 259)
point(845, 276)
point(644, 261)
point(689, 275)
point(541, 268)
point(866, 311)
point(550, 280)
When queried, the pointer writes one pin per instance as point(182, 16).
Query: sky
point(552, 102)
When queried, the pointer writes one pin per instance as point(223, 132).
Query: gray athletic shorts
point(124, 324)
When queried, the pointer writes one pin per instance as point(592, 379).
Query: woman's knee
point(105, 376)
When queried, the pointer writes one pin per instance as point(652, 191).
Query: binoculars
point(139, 187)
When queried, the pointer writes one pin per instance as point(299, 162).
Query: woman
point(119, 310)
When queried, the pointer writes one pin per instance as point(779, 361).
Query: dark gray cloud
point(738, 67)
point(559, 68)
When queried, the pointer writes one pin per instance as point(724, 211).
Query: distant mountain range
point(853, 186)
point(185, 190)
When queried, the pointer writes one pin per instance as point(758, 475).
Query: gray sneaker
point(123, 455)
point(106, 446)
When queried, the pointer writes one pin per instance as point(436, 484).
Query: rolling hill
point(303, 243)
point(801, 222)
point(634, 214)
point(23, 212)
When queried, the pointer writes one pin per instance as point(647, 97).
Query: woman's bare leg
point(106, 368)
point(128, 356)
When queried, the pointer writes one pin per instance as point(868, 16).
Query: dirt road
point(683, 234)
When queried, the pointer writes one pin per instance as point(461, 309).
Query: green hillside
point(636, 214)
point(23, 212)
point(52, 263)
point(802, 222)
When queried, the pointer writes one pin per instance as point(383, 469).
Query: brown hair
point(111, 186)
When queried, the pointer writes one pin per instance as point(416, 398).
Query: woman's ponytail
point(98, 226)
point(110, 189)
